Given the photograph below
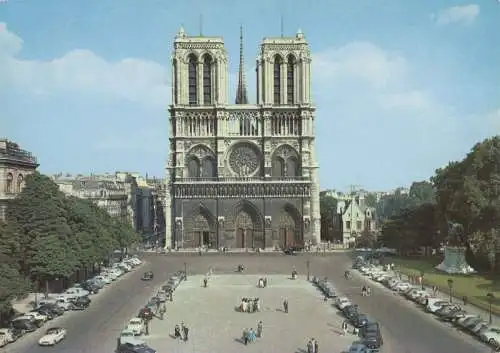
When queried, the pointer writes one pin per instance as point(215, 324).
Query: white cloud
point(79, 70)
point(465, 14)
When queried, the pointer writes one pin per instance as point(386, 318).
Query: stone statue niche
point(454, 251)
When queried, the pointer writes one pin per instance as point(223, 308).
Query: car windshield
point(52, 331)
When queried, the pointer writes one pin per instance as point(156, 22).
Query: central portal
point(248, 227)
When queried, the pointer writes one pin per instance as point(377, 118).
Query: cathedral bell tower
point(284, 71)
point(199, 71)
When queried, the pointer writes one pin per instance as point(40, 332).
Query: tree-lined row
point(466, 210)
point(48, 235)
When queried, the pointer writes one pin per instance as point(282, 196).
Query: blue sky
point(401, 87)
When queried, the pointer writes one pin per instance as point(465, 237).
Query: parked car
point(360, 320)
point(46, 312)
point(52, 336)
point(5, 337)
point(147, 276)
point(81, 303)
point(358, 347)
point(350, 312)
point(342, 302)
point(491, 335)
point(91, 287)
point(131, 348)
point(76, 292)
point(24, 325)
point(128, 336)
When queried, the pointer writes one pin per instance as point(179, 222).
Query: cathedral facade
point(241, 175)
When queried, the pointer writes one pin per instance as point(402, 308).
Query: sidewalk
point(26, 304)
point(470, 308)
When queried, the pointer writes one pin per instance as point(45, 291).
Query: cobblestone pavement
point(216, 326)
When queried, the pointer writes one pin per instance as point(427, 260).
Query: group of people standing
point(181, 332)
point(249, 305)
point(251, 335)
point(312, 346)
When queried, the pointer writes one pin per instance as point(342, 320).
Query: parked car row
point(75, 298)
point(130, 340)
point(444, 309)
point(368, 330)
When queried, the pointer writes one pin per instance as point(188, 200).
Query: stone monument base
point(454, 261)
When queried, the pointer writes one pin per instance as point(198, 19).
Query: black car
point(350, 311)
point(370, 326)
point(81, 303)
point(131, 348)
point(373, 340)
point(147, 276)
point(46, 311)
point(16, 333)
point(24, 325)
point(91, 287)
point(54, 309)
point(360, 320)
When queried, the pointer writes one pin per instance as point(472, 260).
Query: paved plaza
point(216, 326)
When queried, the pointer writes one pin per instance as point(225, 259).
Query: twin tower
point(200, 71)
point(241, 174)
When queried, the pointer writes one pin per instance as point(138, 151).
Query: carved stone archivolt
point(201, 152)
point(244, 159)
point(285, 152)
point(243, 115)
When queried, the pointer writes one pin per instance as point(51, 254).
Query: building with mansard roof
point(241, 175)
point(15, 165)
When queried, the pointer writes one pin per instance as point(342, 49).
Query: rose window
point(244, 160)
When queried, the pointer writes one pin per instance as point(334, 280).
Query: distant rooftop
point(11, 151)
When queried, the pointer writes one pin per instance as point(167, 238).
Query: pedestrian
point(163, 310)
point(285, 306)
point(355, 331)
point(259, 329)
point(205, 282)
point(316, 346)
point(177, 332)
point(185, 330)
point(245, 336)
point(118, 344)
point(146, 327)
point(265, 282)
point(344, 327)
point(465, 299)
point(310, 347)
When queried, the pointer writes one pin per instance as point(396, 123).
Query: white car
point(76, 292)
point(64, 302)
point(53, 336)
point(128, 336)
point(491, 335)
point(434, 304)
point(401, 287)
point(136, 325)
point(33, 315)
point(342, 302)
point(103, 279)
point(5, 337)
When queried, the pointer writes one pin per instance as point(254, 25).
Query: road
point(406, 329)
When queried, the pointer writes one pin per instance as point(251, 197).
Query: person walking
point(285, 306)
point(344, 327)
point(163, 310)
point(259, 329)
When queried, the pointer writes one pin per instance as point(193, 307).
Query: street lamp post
point(308, 263)
point(450, 286)
point(422, 279)
point(185, 271)
point(490, 297)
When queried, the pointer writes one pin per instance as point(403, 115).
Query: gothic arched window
point(193, 79)
point(207, 80)
point(193, 168)
point(290, 80)
point(20, 183)
point(9, 184)
point(277, 79)
point(278, 167)
point(175, 80)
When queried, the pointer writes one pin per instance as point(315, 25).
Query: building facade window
point(207, 80)
point(193, 79)
point(359, 225)
point(176, 88)
point(348, 225)
point(277, 79)
point(290, 80)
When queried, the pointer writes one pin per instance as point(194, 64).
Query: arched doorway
point(200, 229)
point(289, 228)
point(248, 226)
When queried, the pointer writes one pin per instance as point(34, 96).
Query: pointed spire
point(241, 92)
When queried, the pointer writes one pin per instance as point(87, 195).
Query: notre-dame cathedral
point(241, 175)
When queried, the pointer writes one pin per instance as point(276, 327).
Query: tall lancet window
point(207, 80)
point(290, 80)
point(277, 79)
point(192, 79)
point(176, 89)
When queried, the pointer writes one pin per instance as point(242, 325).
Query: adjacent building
point(150, 209)
point(116, 193)
point(241, 175)
point(15, 165)
point(356, 218)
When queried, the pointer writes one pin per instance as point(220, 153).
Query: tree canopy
point(464, 196)
point(48, 235)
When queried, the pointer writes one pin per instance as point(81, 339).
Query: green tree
point(371, 199)
point(422, 192)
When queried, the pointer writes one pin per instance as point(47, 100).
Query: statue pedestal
point(454, 261)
